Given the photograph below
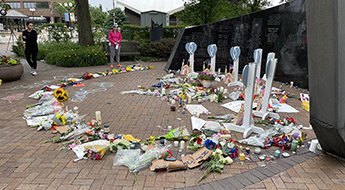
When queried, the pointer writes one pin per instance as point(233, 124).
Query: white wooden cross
point(271, 64)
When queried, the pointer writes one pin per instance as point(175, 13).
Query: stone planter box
point(11, 72)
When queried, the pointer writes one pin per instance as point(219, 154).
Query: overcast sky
point(109, 3)
point(105, 4)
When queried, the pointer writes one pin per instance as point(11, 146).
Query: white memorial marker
point(212, 50)
point(270, 71)
point(247, 127)
point(191, 48)
point(235, 54)
point(257, 60)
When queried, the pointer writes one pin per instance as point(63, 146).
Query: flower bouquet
point(61, 95)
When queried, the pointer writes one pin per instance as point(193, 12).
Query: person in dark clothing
point(31, 47)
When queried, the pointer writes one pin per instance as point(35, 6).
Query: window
point(14, 5)
point(37, 5)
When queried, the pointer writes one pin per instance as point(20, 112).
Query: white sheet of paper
point(36, 120)
point(197, 123)
point(40, 92)
point(235, 105)
point(282, 107)
point(196, 108)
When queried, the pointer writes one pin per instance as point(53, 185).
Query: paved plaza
point(25, 163)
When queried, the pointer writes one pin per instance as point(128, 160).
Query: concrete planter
point(11, 72)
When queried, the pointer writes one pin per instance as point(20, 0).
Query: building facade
point(36, 9)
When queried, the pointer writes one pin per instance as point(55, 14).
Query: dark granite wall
point(280, 29)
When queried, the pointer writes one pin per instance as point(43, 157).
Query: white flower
point(228, 160)
point(219, 151)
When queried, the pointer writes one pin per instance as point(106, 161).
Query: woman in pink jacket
point(115, 39)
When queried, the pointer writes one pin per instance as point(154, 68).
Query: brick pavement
point(27, 164)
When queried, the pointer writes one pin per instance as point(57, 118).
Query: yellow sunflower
point(58, 91)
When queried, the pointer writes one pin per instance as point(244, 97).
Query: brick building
point(40, 7)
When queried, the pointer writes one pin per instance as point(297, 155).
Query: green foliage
point(133, 32)
point(58, 32)
point(142, 33)
point(61, 9)
point(199, 12)
point(79, 57)
point(19, 48)
point(98, 36)
point(160, 48)
point(97, 16)
point(120, 18)
point(68, 54)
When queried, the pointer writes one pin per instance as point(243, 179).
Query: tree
point(97, 16)
point(61, 9)
point(84, 23)
point(120, 19)
point(198, 12)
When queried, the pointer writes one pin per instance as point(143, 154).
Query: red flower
point(112, 140)
point(98, 157)
point(199, 140)
point(217, 145)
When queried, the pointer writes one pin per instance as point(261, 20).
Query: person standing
point(115, 39)
point(31, 47)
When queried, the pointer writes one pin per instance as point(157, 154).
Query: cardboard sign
point(197, 158)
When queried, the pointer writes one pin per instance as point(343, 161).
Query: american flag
point(231, 66)
point(209, 63)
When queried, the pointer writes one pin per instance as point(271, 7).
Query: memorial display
point(280, 29)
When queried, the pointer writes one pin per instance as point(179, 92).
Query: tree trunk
point(84, 23)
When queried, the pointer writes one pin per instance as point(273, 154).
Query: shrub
point(79, 57)
point(58, 32)
point(161, 48)
point(19, 48)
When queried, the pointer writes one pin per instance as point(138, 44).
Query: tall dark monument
point(326, 49)
point(280, 29)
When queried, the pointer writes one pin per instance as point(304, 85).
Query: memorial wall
point(280, 29)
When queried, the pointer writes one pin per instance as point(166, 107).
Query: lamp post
point(33, 13)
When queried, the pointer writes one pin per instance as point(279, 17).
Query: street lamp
point(33, 13)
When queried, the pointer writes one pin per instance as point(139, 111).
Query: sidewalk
point(27, 164)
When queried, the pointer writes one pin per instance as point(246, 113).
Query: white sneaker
point(34, 73)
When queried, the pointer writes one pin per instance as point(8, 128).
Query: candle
point(225, 91)
point(163, 90)
point(294, 146)
point(248, 150)
point(218, 71)
point(257, 150)
point(98, 117)
point(313, 145)
point(182, 145)
point(242, 157)
point(189, 99)
point(169, 128)
point(277, 153)
point(106, 129)
point(175, 144)
point(172, 102)
point(221, 89)
point(119, 136)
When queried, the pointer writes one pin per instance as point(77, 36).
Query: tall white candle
point(181, 145)
point(221, 89)
point(98, 117)
point(189, 99)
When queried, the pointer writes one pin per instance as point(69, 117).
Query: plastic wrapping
point(126, 157)
point(145, 160)
point(135, 162)
point(75, 133)
point(41, 111)
point(260, 138)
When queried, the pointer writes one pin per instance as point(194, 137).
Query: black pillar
point(326, 48)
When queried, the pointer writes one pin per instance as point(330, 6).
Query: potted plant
point(10, 69)
point(206, 78)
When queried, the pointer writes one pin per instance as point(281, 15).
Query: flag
point(231, 66)
point(209, 63)
point(188, 59)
